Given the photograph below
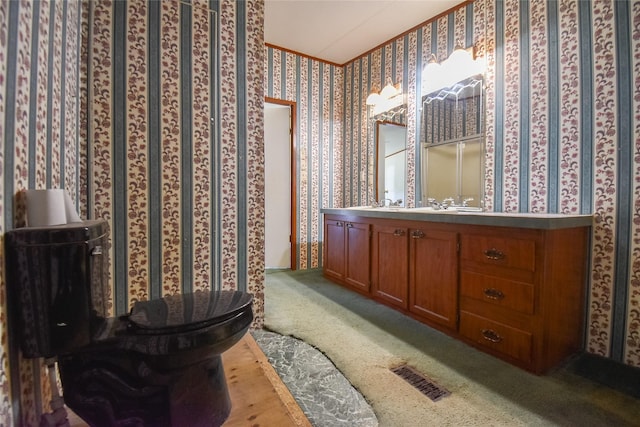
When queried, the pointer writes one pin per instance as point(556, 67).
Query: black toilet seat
point(182, 313)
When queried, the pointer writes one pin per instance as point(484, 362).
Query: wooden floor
point(258, 396)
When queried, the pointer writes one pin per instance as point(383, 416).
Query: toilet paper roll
point(50, 207)
point(45, 207)
point(70, 210)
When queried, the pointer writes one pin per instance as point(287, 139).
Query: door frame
point(293, 236)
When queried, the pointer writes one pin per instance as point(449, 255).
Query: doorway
point(279, 194)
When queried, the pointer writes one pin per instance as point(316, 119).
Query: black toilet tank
point(57, 285)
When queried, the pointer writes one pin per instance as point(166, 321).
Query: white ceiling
point(339, 31)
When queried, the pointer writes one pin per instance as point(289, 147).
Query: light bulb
point(373, 99)
point(388, 91)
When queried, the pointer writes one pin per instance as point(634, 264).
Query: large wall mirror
point(452, 140)
point(391, 159)
point(389, 131)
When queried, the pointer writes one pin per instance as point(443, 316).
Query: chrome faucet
point(384, 203)
point(448, 202)
point(434, 204)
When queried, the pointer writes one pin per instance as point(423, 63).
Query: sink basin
point(467, 209)
point(450, 209)
point(426, 209)
point(380, 209)
point(432, 210)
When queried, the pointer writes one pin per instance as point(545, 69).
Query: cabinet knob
point(494, 254)
point(349, 225)
point(339, 224)
point(398, 233)
point(417, 234)
point(491, 335)
point(494, 294)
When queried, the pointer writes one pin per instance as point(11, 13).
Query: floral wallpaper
point(177, 151)
point(561, 139)
point(39, 148)
point(142, 111)
point(316, 88)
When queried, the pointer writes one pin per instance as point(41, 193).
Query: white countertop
point(545, 221)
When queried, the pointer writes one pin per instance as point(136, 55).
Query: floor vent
point(423, 384)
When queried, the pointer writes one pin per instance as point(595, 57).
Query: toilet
point(158, 365)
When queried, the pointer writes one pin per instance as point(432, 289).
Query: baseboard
point(616, 375)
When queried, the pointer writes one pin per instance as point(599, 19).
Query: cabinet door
point(390, 264)
point(433, 276)
point(334, 248)
point(358, 264)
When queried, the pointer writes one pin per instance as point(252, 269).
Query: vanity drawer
point(500, 251)
point(510, 294)
point(497, 336)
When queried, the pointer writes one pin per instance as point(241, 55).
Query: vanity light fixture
point(389, 97)
point(389, 91)
point(431, 75)
point(457, 67)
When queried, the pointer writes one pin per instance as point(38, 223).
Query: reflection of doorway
point(278, 195)
point(391, 161)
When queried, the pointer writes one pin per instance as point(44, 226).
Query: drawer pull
point(417, 234)
point(398, 233)
point(492, 293)
point(494, 254)
point(492, 336)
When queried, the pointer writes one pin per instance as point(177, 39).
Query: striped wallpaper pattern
point(565, 143)
point(316, 89)
point(40, 147)
point(562, 126)
point(143, 111)
point(175, 129)
point(141, 125)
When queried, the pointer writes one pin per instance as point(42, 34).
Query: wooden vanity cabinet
point(522, 293)
point(347, 252)
point(390, 265)
point(433, 275)
point(515, 293)
point(414, 266)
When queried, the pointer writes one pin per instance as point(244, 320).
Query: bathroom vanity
point(512, 285)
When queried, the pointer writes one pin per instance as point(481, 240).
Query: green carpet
point(365, 339)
